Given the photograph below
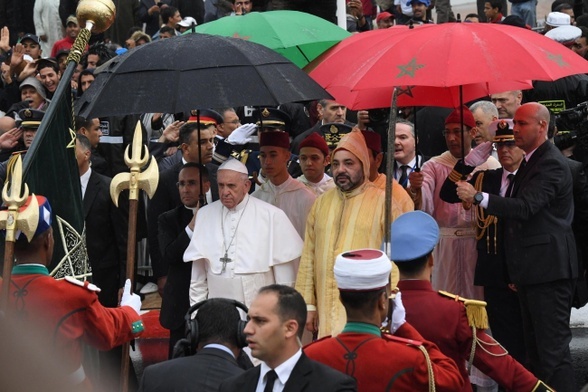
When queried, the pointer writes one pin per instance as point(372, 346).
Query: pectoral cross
point(225, 259)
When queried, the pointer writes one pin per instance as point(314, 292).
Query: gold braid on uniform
point(481, 344)
point(483, 221)
point(429, 368)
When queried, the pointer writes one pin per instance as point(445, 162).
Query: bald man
point(539, 244)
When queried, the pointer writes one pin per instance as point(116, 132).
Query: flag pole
point(97, 16)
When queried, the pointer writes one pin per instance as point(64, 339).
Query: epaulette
point(397, 339)
point(89, 286)
point(475, 310)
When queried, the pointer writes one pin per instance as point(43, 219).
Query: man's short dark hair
point(167, 29)
point(167, 13)
point(557, 3)
point(411, 269)
point(495, 4)
point(472, 16)
point(84, 141)
point(47, 63)
point(361, 301)
point(203, 171)
point(291, 305)
point(188, 129)
point(82, 122)
point(582, 20)
point(218, 321)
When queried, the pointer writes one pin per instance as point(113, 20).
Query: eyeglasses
point(181, 184)
point(234, 122)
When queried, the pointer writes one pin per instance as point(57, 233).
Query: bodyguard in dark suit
point(503, 307)
point(175, 231)
point(218, 329)
point(540, 247)
point(166, 196)
point(106, 228)
point(276, 322)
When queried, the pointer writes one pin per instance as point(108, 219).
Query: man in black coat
point(106, 228)
point(217, 340)
point(276, 322)
point(540, 247)
point(175, 230)
point(167, 197)
point(504, 313)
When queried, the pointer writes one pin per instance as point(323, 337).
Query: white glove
point(479, 154)
point(399, 313)
point(242, 135)
point(129, 298)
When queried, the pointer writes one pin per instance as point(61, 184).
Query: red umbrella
point(485, 58)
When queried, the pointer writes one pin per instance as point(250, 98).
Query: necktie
point(404, 175)
point(270, 378)
point(510, 178)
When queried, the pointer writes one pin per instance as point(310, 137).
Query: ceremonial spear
point(13, 219)
point(136, 157)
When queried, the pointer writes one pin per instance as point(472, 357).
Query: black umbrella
point(195, 71)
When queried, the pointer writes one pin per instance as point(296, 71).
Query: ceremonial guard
point(380, 361)
point(456, 325)
point(66, 312)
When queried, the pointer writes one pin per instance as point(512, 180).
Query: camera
point(572, 126)
point(572, 119)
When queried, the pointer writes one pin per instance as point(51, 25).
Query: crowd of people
point(277, 215)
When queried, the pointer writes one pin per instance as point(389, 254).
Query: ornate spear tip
point(100, 13)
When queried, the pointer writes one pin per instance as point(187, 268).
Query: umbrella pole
point(416, 140)
point(390, 173)
point(201, 196)
point(463, 177)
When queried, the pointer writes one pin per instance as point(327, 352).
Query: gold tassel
point(476, 312)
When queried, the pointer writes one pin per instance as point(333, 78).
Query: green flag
point(50, 169)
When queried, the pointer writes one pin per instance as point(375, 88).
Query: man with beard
point(350, 216)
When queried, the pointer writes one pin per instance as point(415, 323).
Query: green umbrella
point(298, 36)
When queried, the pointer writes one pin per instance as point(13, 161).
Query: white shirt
point(283, 371)
point(398, 171)
point(505, 182)
point(220, 347)
point(84, 178)
point(320, 187)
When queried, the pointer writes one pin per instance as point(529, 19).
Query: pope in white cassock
point(240, 243)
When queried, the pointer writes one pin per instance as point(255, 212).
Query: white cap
point(188, 21)
point(556, 19)
point(234, 165)
point(362, 270)
point(564, 34)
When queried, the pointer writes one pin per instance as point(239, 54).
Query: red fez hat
point(373, 141)
point(315, 140)
point(455, 117)
point(275, 138)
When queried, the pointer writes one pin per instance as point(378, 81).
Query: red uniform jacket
point(68, 314)
point(383, 362)
point(444, 322)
